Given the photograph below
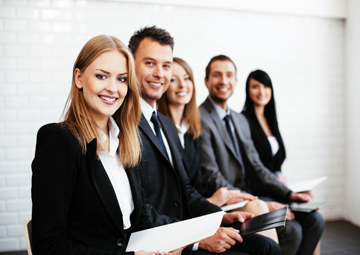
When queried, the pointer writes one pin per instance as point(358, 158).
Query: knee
point(317, 221)
point(273, 248)
point(291, 234)
point(257, 207)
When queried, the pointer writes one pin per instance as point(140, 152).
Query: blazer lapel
point(220, 126)
point(144, 126)
point(173, 142)
point(103, 185)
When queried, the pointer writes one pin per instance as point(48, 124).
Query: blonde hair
point(191, 114)
point(76, 114)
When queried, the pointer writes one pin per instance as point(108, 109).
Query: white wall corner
point(352, 61)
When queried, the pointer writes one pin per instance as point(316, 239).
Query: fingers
point(304, 197)
point(247, 215)
point(232, 236)
point(290, 215)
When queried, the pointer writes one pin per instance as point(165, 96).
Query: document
point(227, 208)
point(306, 185)
point(305, 207)
point(262, 222)
point(175, 235)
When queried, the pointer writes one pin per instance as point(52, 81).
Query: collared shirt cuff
point(195, 246)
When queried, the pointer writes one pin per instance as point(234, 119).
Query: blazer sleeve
point(54, 176)
point(213, 178)
point(277, 188)
point(157, 218)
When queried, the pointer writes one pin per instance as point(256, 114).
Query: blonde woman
point(86, 188)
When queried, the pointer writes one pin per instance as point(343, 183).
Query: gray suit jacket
point(221, 166)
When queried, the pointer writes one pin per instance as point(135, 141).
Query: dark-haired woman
point(86, 188)
point(260, 111)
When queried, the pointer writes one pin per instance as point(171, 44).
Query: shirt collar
point(183, 127)
point(220, 111)
point(114, 132)
point(147, 109)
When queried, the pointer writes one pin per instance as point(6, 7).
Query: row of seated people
point(233, 156)
point(116, 165)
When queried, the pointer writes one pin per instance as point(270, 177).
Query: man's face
point(221, 82)
point(153, 65)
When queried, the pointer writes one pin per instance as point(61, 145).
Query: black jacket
point(169, 195)
point(75, 209)
point(191, 159)
point(262, 145)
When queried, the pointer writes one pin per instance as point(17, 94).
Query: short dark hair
point(156, 34)
point(221, 58)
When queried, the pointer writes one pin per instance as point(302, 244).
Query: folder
point(262, 222)
point(306, 206)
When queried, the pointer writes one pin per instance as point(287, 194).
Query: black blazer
point(262, 145)
point(191, 159)
point(169, 195)
point(75, 209)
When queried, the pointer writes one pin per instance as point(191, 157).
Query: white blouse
point(182, 131)
point(273, 144)
point(116, 173)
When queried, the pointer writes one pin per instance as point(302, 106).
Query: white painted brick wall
point(40, 40)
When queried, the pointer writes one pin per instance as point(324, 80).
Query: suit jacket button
point(177, 203)
point(118, 242)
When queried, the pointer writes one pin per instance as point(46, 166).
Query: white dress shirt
point(147, 111)
point(116, 173)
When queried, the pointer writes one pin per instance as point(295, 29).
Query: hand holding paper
point(175, 235)
point(299, 197)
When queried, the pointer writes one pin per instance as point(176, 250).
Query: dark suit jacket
point(191, 159)
point(169, 195)
point(75, 209)
point(262, 145)
point(220, 165)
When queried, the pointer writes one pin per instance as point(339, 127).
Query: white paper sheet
point(175, 235)
point(227, 208)
point(306, 185)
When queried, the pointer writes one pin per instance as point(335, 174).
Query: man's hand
point(299, 197)
point(235, 217)
point(275, 205)
point(221, 241)
point(308, 193)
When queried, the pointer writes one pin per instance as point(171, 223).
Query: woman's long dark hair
point(273, 163)
point(270, 110)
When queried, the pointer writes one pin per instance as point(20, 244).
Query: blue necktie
point(154, 119)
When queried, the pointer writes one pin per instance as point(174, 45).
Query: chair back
point(28, 236)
